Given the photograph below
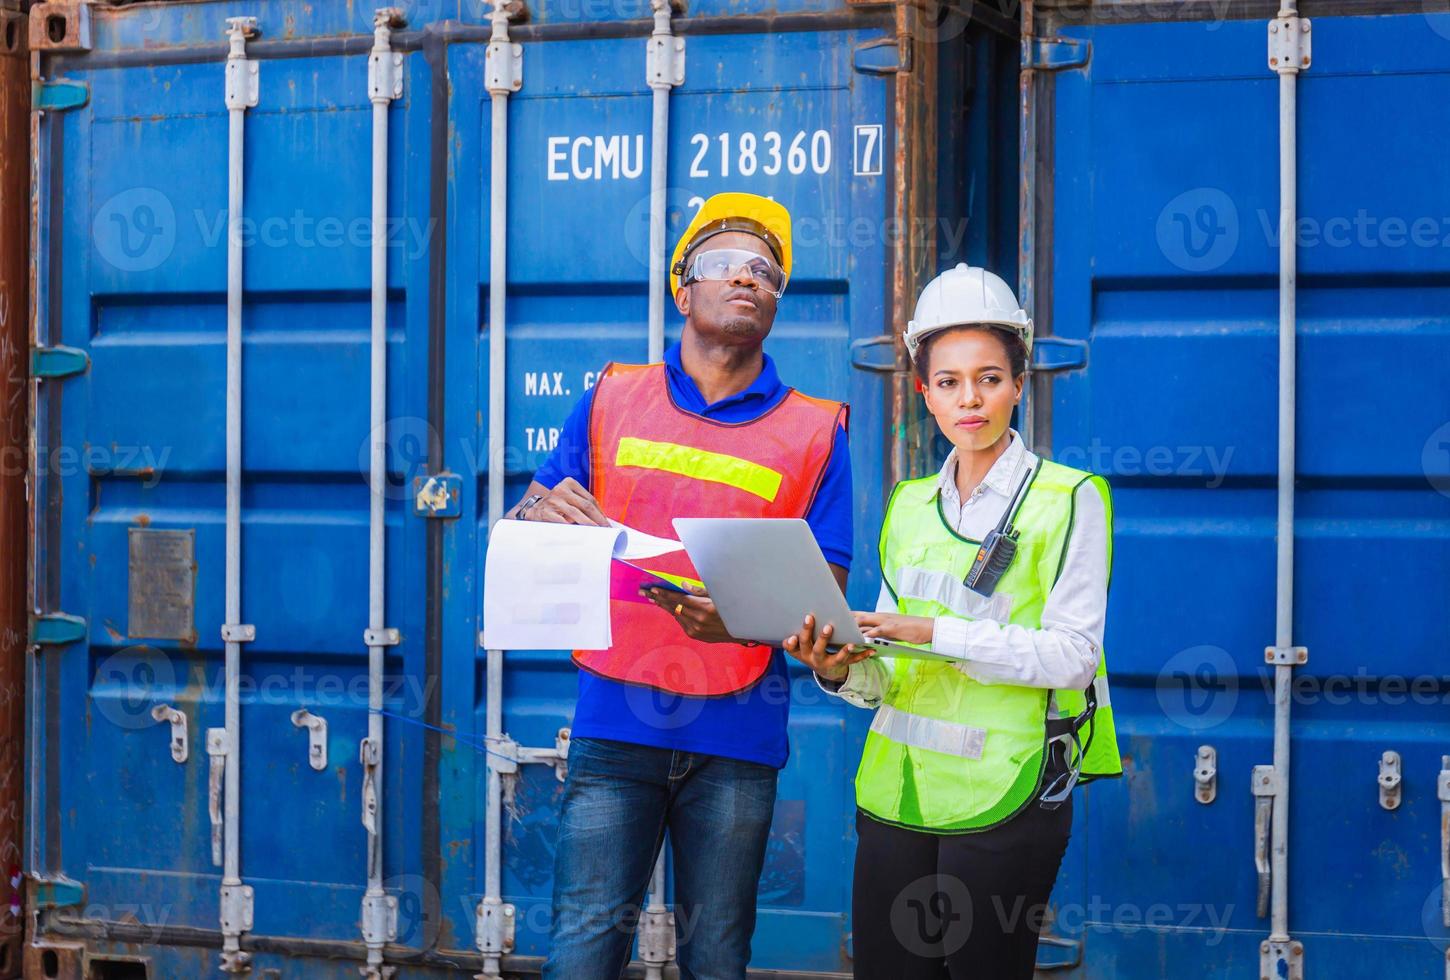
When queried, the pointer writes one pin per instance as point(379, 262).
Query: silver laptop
point(764, 574)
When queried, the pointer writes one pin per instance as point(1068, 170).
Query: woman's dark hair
point(1011, 343)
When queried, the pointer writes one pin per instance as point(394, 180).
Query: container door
point(784, 115)
point(1165, 262)
point(130, 504)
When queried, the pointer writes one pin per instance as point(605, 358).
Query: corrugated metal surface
point(1164, 155)
point(1165, 261)
point(134, 191)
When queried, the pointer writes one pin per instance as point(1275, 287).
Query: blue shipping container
point(1154, 261)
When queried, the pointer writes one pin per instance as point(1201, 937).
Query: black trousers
point(958, 906)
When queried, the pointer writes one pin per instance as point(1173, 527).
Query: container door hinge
point(56, 629)
point(57, 362)
point(1390, 779)
point(1205, 775)
point(1054, 53)
point(237, 905)
point(882, 57)
point(380, 918)
point(503, 68)
point(656, 937)
point(1265, 788)
point(1050, 354)
point(55, 892)
point(1289, 44)
point(1282, 960)
point(664, 66)
point(438, 495)
point(177, 720)
point(59, 95)
point(494, 927)
point(1286, 656)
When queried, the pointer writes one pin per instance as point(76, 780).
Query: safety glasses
point(722, 263)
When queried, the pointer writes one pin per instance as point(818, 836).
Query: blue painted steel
point(1166, 211)
point(1178, 321)
point(139, 276)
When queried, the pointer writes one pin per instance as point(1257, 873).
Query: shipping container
point(1119, 160)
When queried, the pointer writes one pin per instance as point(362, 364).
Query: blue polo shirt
point(751, 724)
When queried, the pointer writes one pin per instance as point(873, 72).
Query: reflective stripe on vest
point(913, 771)
point(699, 464)
point(932, 734)
point(650, 462)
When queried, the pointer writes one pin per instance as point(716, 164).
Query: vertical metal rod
point(501, 83)
point(235, 899)
point(661, 80)
point(1284, 573)
point(384, 84)
point(1027, 204)
point(661, 77)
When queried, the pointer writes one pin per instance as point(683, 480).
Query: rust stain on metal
point(913, 219)
point(16, 272)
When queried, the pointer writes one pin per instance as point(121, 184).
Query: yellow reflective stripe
point(699, 464)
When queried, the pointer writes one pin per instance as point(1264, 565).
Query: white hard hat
point(962, 296)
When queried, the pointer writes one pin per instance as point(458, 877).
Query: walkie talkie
point(1000, 546)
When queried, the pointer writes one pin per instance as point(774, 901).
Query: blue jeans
point(618, 801)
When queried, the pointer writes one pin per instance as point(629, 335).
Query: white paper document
point(546, 586)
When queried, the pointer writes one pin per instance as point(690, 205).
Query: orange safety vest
point(650, 462)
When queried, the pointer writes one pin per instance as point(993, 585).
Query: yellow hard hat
point(750, 213)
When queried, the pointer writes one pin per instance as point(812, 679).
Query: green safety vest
point(946, 752)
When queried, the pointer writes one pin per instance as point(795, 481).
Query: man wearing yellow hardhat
point(680, 727)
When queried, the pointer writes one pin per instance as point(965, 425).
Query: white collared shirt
point(1061, 654)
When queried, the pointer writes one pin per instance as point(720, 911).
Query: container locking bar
point(216, 750)
point(1265, 788)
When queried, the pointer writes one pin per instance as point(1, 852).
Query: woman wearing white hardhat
point(1001, 562)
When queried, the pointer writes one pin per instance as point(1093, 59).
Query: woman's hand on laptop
point(890, 626)
point(809, 646)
